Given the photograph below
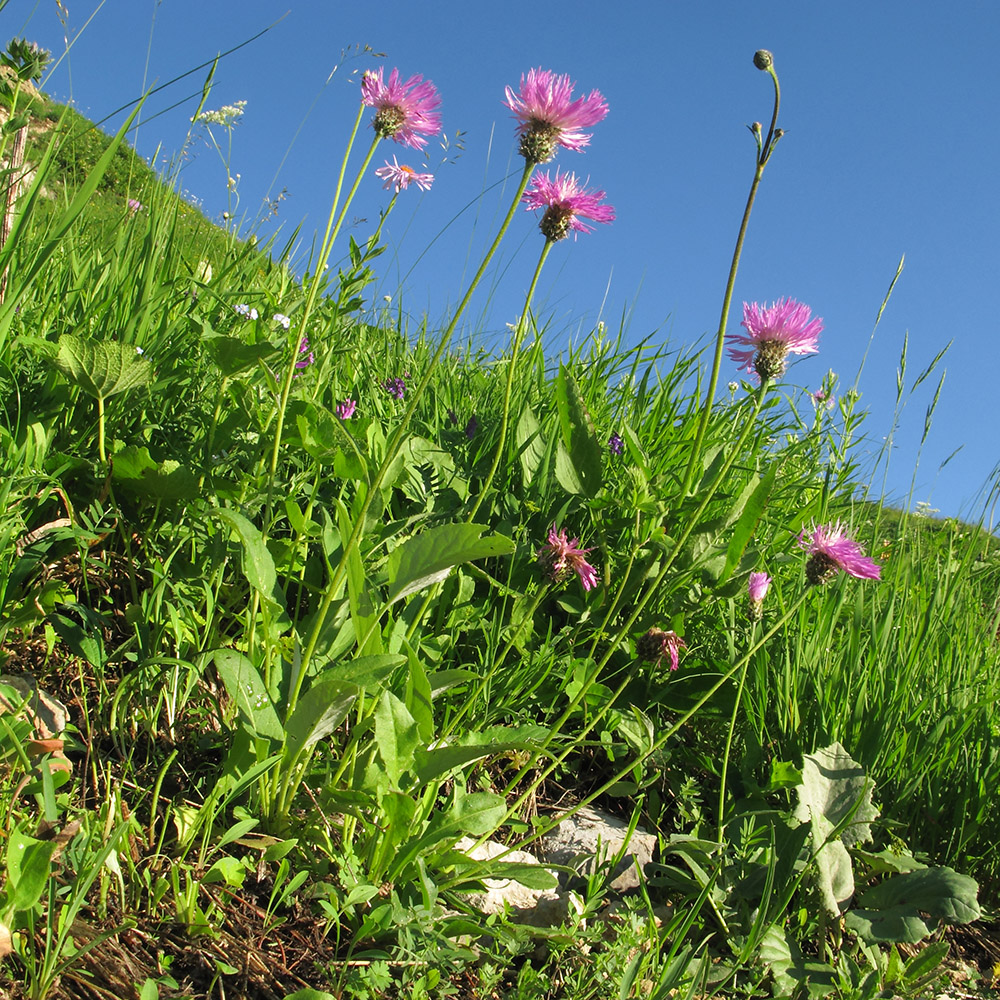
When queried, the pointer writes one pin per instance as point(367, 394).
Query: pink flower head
point(565, 202)
point(773, 332)
point(757, 586)
point(345, 410)
point(134, 205)
point(549, 117)
point(406, 111)
point(657, 643)
point(402, 176)
point(561, 556)
point(831, 550)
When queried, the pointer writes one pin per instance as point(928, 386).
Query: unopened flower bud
point(763, 59)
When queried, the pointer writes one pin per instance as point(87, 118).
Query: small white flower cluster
point(227, 115)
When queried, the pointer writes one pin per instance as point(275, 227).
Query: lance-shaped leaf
point(579, 436)
point(429, 557)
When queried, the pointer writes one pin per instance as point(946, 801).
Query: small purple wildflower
point(304, 360)
point(831, 550)
point(561, 556)
point(658, 643)
point(823, 400)
point(345, 410)
point(471, 427)
point(757, 587)
point(396, 387)
point(247, 312)
point(134, 205)
point(615, 444)
point(401, 176)
point(283, 321)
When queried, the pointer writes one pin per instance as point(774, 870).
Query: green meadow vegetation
point(298, 605)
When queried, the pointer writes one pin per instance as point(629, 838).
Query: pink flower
point(550, 117)
point(401, 175)
point(757, 586)
point(562, 555)
point(657, 643)
point(406, 111)
point(831, 550)
point(345, 410)
point(305, 359)
point(774, 332)
point(565, 201)
point(134, 205)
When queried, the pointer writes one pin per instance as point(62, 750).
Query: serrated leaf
point(101, 368)
point(429, 557)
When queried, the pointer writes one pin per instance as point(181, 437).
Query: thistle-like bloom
point(134, 205)
point(832, 550)
point(615, 444)
point(345, 410)
point(773, 332)
point(406, 112)
point(245, 311)
point(400, 175)
point(561, 556)
point(550, 117)
point(658, 643)
point(306, 357)
point(757, 587)
point(823, 400)
point(283, 321)
point(395, 387)
point(565, 201)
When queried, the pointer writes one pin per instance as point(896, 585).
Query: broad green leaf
point(28, 867)
point(101, 368)
point(309, 994)
point(578, 433)
point(245, 687)
point(747, 524)
point(566, 474)
point(319, 711)
point(258, 566)
point(477, 813)
point(134, 469)
point(364, 671)
point(395, 736)
point(358, 591)
point(530, 444)
point(231, 355)
point(835, 798)
point(429, 557)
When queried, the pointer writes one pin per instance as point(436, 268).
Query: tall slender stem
point(392, 449)
point(764, 151)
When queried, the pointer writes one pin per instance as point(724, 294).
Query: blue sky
point(892, 143)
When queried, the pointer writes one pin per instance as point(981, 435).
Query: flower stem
point(392, 448)
point(518, 338)
point(763, 155)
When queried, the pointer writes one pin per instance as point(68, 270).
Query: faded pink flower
point(549, 117)
point(831, 550)
point(561, 555)
point(773, 332)
point(402, 176)
point(565, 202)
point(757, 587)
point(657, 643)
point(406, 111)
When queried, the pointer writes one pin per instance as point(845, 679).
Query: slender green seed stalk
point(763, 155)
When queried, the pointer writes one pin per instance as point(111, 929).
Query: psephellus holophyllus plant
point(831, 550)
point(566, 202)
point(400, 176)
point(774, 332)
point(549, 117)
point(658, 643)
point(405, 112)
point(562, 555)
point(757, 588)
